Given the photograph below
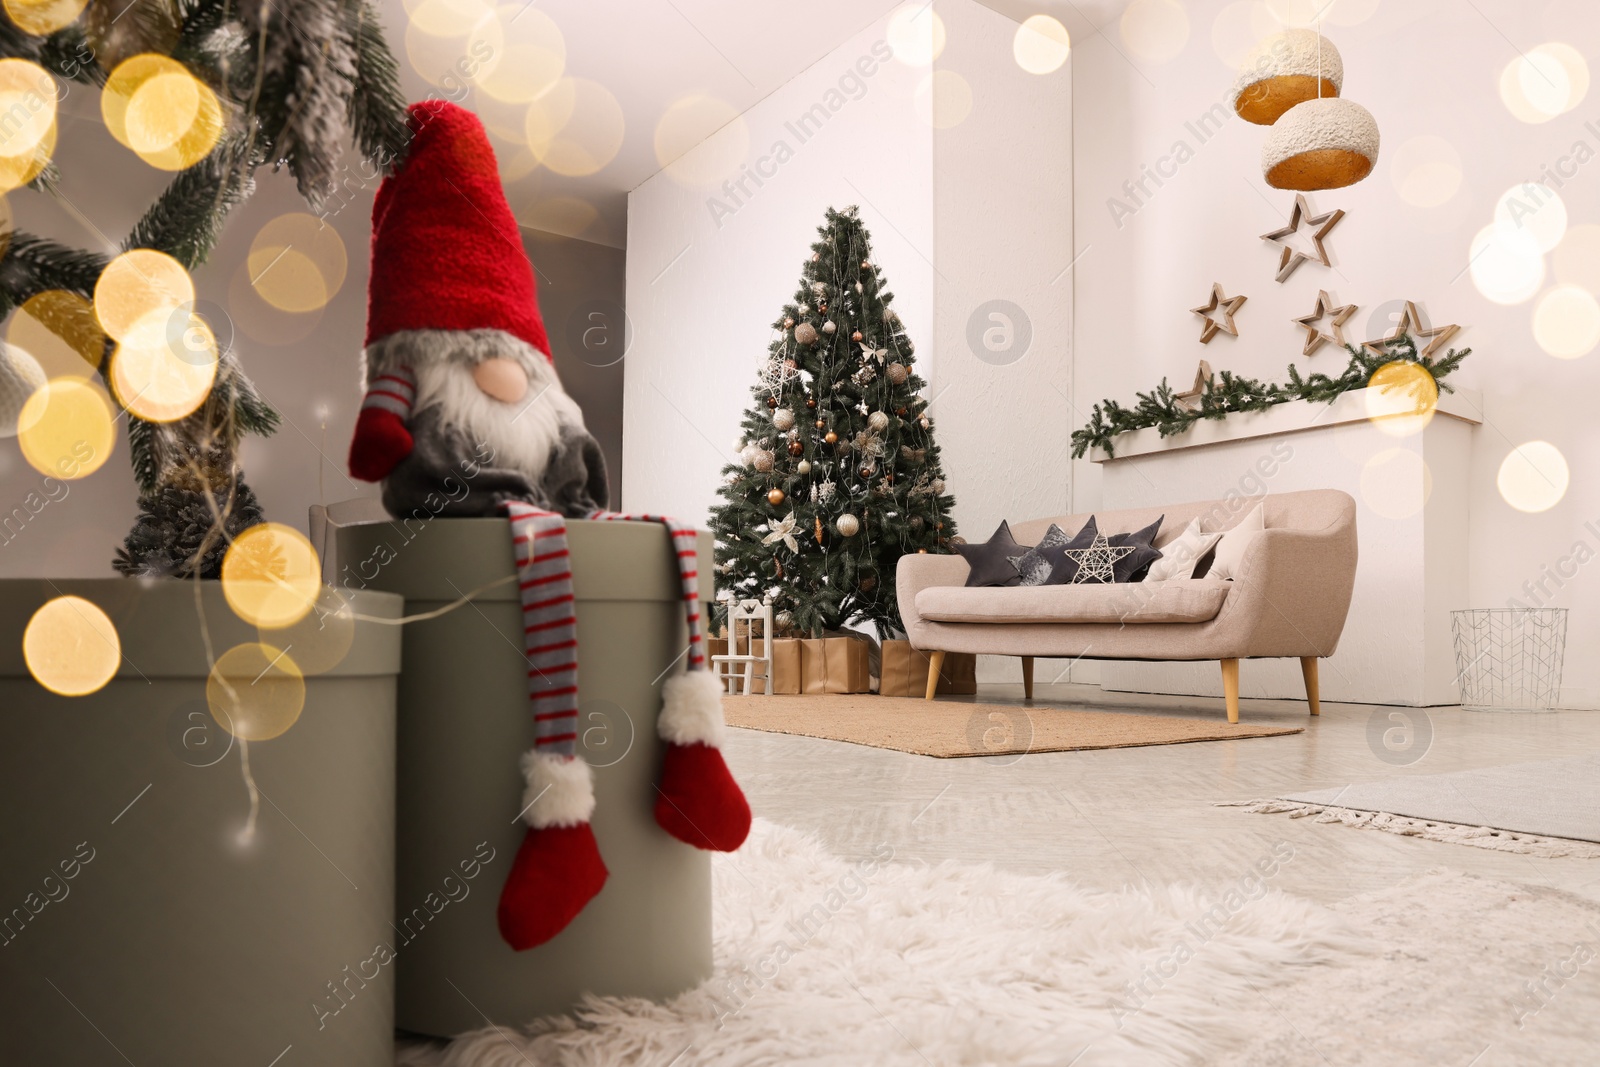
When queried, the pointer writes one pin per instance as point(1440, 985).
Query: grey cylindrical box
point(465, 721)
point(174, 943)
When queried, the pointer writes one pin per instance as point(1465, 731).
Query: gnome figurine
point(464, 416)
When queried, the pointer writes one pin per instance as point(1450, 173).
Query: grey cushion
point(1186, 600)
point(990, 562)
point(1036, 564)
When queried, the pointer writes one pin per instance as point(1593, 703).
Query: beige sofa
point(1290, 597)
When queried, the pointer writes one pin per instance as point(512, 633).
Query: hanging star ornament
point(1336, 316)
point(1097, 563)
point(1189, 399)
point(1323, 225)
point(1411, 324)
point(1228, 305)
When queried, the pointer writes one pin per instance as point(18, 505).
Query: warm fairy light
point(1396, 483)
point(20, 378)
point(44, 17)
point(944, 99)
point(262, 322)
point(1566, 322)
point(71, 647)
point(1533, 477)
point(66, 429)
point(320, 641)
point(162, 372)
point(1426, 170)
point(28, 102)
point(1401, 398)
point(153, 105)
point(916, 34)
point(534, 56)
point(1544, 82)
point(1507, 265)
point(452, 42)
point(137, 285)
point(1155, 30)
point(1534, 209)
point(297, 262)
point(687, 152)
point(60, 330)
point(255, 691)
point(1041, 45)
point(271, 575)
point(576, 128)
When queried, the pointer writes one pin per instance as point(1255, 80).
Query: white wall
point(1421, 67)
point(708, 270)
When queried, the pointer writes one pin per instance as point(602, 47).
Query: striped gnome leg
point(381, 440)
point(558, 869)
point(697, 800)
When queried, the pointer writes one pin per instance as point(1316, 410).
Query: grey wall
point(306, 365)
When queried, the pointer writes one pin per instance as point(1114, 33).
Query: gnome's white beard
point(521, 436)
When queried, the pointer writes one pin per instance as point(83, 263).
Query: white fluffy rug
point(821, 960)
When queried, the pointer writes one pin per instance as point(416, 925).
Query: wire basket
point(1509, 659)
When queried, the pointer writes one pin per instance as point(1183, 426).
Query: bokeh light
point(20, 377)
point(43, 17)
point(60, 330)
point(1238, 28)
point(1577, 258)
point(684, 146)
point(262, 322)
point(71, 646)
point(1426, 170)
point(138, 285)
point(297, 262)
point(1348, 12)
point(1507, 265)
point(1155, 30)
point(255, 691)
point(1041, 45)
point(1533, 477)
point(153, 105)
point(1396, 483)
point(1534, 209)
point(533, 59)
point(1566, 322)
point(1401, 398)
point(566, 215)
point(65, 429)
point(1544, 82)
point(453, 42)
point(944, 99)
point(916, 34)
point(28, 136)
point(162, 373)
point(320, 641)
point(576, 128)
point(271, 576)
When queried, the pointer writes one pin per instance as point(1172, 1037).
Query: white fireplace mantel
point(1411, 521)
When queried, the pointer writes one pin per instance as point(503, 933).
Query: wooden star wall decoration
point(1411, 323)
point(1227, 305)
point(1189, 399)
point(1290, 260)
point(1336, 316)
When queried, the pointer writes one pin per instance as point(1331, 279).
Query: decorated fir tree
point(838, 474)
point(287, 82)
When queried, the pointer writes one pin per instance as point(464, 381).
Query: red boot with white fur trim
point(558, 869)
point(698, 801)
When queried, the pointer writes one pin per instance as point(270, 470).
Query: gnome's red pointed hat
point(446, 250)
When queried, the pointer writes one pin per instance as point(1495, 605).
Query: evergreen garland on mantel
point(1232, 393)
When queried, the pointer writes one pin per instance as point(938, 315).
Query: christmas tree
point(838, 474)
point(291, 80)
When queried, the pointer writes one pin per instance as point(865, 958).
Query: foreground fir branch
point(1231, 393)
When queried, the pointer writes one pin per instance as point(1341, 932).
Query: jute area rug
point(950, 728)
point(824, 961)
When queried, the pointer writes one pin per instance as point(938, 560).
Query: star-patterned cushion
point(1038, 563)
point(1097, 563)
point(1062, 566)
point(990, 562)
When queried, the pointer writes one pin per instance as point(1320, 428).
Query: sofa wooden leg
point(935, 662)
point(1027, 677)
point(1230, 687)
point(1308, 668)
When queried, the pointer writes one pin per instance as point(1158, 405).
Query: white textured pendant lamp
point(1286, 69)
point(1320, 144)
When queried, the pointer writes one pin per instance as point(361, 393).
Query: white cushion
point(1237, 538)
point(1179, 555)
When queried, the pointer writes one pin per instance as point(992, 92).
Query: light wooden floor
point(1114, 817)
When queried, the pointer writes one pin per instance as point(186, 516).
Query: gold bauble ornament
point(811, 402)
point(788, 323)
point(804, 466)
point(783, 418)
point(775, 497)
point(847, 524)
point(896, 373)
point(821, 423)
point(805, 333)
point(828, 327)
point(877, 422)
point(762, 461)
point(772, 403)
point(831, 437)
point(856, 336)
